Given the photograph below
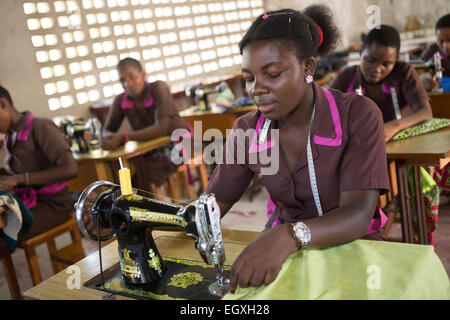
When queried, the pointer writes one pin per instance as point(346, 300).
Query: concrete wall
point(19, 71)
point(351, 15)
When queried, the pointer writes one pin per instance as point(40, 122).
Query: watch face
point(302, 233)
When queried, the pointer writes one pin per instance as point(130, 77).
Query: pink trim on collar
point(128, 104)
point(254, 146)
point(351, 87)
point(23, 134)
point(387, 90)
point(337, 140)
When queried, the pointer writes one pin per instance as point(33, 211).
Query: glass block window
point(78, 43)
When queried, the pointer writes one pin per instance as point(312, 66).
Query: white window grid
point(78, 43)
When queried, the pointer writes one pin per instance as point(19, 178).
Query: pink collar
point(22, 134)
point(129, 104)
point(385, 88)
point(335, 141)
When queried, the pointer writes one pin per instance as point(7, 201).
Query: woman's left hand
point(390, 129)
point(262, 260)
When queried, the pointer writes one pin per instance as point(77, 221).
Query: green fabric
point(406, 271)
point(422, 128)
point(27, 220)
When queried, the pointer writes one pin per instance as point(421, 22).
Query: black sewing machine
point(75, 131)
point(199, 94)
point(104, 210)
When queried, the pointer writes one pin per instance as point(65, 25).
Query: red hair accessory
point(319, 30)
point(265, 16)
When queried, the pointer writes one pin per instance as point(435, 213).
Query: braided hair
point(5, 94)
point(443, 22)
point(129, 62)
point(310, 33)
point(385, 35)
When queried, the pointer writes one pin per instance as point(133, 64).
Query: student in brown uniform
point(441, 176)
point(151, 112)
point(397, 90)
point(345, 163)
point(442, 45)
point(393, 85)
point(38, 164)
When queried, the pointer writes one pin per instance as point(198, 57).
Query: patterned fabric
point(430, 192)
point(441, 176)
point(422, 128)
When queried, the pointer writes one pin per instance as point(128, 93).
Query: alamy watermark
point(241, 147)
point(374, 19)
point(374, 277)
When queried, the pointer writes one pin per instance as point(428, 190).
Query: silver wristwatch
point(301, 233)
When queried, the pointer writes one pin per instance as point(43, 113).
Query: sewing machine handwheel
point(88, 218)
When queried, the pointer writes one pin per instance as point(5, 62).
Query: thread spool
point(125, 180)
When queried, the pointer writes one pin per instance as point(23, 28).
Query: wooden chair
point(385, 199)
point(48, 237)
point(178, 186)
point(67, 256)
point(8, 267)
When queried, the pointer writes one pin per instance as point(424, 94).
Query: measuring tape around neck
point(311, 170)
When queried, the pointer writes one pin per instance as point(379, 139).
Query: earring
point(309, 78)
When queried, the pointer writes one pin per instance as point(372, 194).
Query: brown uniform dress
point(39, 151)
point(428, 53)
point(155, 166)
point(403, 78)
point(348, 150)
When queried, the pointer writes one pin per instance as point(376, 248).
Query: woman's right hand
point(7, 183)
point(112, 142)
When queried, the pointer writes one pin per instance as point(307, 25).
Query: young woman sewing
point(339, 135)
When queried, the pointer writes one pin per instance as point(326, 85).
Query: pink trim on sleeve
point(378, 221)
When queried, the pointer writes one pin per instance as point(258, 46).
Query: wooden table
point(170, 244)
point(213, 119)
point(95, 165)
point(431, 149)
point(440, 104)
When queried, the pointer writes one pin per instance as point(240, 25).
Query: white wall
point(19, 71)
point(351, 15)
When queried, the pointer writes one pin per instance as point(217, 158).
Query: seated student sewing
point(151, 112)
point(441, 176)
point(344, 133)
point(397, 90)
point(442, 45)
point(393, 85)
point(38, 164)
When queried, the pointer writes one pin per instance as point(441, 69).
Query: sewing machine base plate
point(184, 280)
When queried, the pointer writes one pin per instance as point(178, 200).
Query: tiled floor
point(244, 215)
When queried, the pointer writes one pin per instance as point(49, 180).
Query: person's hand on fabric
point(390, 129)
point(112, 142)
point(7, 183)
point(261, 261)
